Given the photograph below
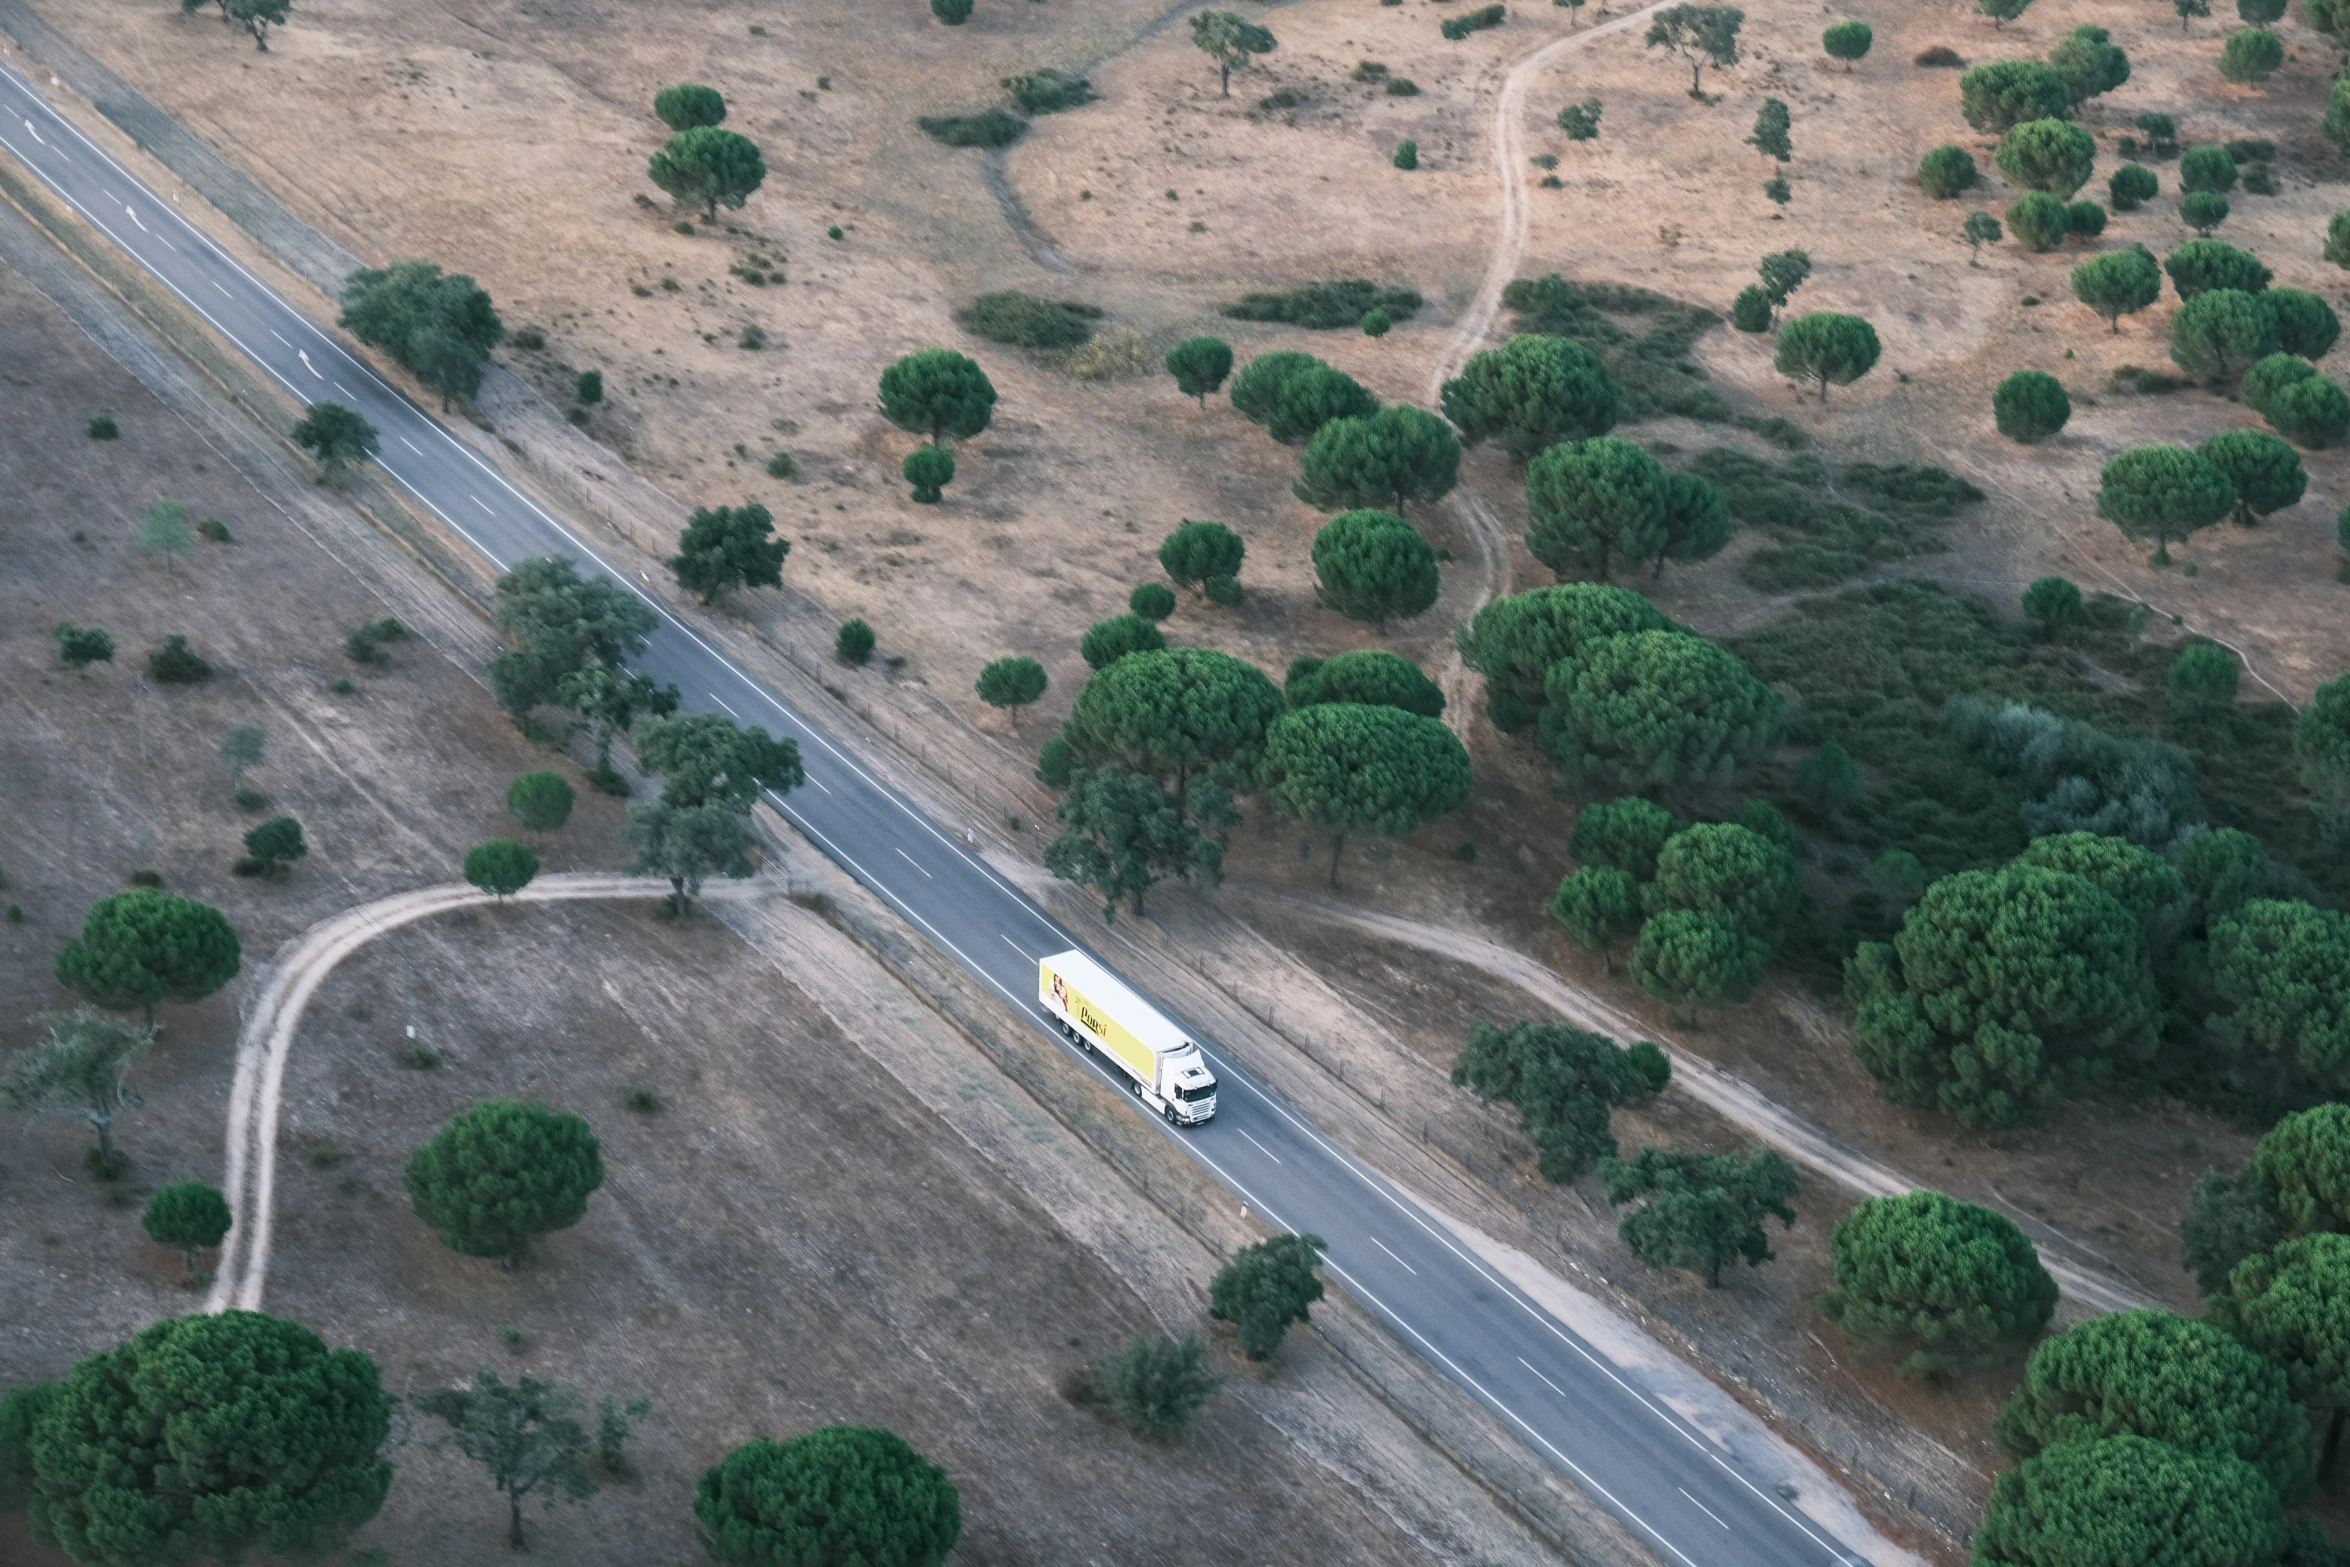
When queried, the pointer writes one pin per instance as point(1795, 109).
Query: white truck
point(1094, 1007)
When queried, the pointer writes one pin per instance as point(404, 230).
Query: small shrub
point(834, 232)
point(103, 428)
point(1939, 57)
point(2132, 185)
point(273, 846)
point(991, 128)
point(1370, 71)
point(1153, 601)
point(1407, 154)
point(1751, 310)
point(215, 530)
point(2203, 210)
point(1478, 20)
point(1112, 356)
point(1025, 321)
point(854, 643)
point(2258, 181)
point(365, 645)
point(1285, 98)
point(1224, 591)
point(1048, 91)
point(1402, 87)
point(1782, 433)
point(1325, 307)
point(176, 664)
point(1155, 1384)
point(82, 646)
point(1948, 171)
point(528, 337)
point(146, 878)
point(249, 798)
point(644, 1101)
point(753, 338)
point(2039, 221)
point(341, 685)
point(2138, 381)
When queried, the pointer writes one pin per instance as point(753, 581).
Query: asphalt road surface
point(1671, 1484)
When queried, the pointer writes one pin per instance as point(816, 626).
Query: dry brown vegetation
point(508, 140)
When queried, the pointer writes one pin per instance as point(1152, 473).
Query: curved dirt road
point(1723, 1092)
point(267, 1037)
point(1485, 531)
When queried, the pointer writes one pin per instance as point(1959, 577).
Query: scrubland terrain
point(508, 141)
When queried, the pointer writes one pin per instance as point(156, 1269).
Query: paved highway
point(1672, 1485)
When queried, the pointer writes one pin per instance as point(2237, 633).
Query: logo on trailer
point(1060, 992)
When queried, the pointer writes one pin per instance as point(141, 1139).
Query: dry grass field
point(508, 140)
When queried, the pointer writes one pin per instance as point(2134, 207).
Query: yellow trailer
point(1103, 1016)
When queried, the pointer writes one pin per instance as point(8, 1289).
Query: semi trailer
point(1160, 1065)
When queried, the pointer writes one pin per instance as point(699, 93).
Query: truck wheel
point(1168, 1111)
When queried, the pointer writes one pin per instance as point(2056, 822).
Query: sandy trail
point(1723, 1092)
point(267, 1038)
point(1486, 534)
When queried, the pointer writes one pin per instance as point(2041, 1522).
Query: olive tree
point(1701, 35)
point(338, 438)
point(439, 327)
point(80, 1068)
point(1703, 1211)
point(727, 547)
point(1265, 1288)
point(529, 1438)
point(1229, 40)
point(1563, 1081)
point(1123, 833)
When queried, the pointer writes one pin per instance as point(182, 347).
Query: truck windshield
point(1196, 1091)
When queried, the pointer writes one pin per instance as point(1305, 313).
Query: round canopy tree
point(1697, 960)
point(1656, 710)
point(2306, 324)
point(2006, 93)
point(1107, 641)
point(708, 168)
point(2117, 283)
point(1628, 835)
point(2201, 265)
point(1370, 675)
point(1199, 366)
point(1948, 172)
point(2221, 333)
point(2050, 155)
point(839, 1494)
point(1532, 392)
point(2292, 1305)
point(1198, 553)
point(502, 1173)
point(937, 392)
point(2168, 1378)
point(1398, 455)
point(1352, 768)
point(2311, 412)
point(1590, 502)
point(1373, 565)
point(1259, 384)
point(1514, 641)
point(1826, 348)
point(2031, 406)
point(211, 1436)
point(2162, 493)
point(2129, 1502)
point(1847, 41)
point(2266, 472)
point(1950, 1284)
point(689, 104)
point(540, 801)
point(142, 946)
point(1999, 984)
point(1175, 712)
point(500, 868)
point(1312, 398)
point(1723, 868)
